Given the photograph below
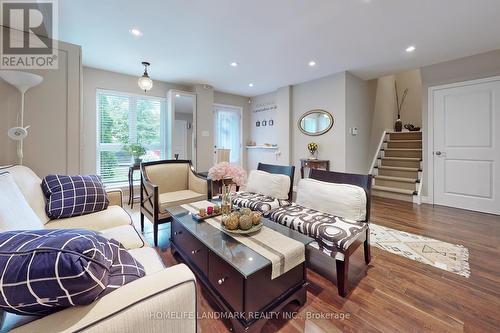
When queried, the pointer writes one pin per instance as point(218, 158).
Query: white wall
point(53, 110)
point(385, 110)
point(360, 95)
point(328, 93)
point(94, 79)
point(278, 134)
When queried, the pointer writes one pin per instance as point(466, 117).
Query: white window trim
point(132, 111)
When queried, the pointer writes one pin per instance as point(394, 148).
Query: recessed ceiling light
point(234, 64)
point(410, 49)
point(250, 85)
point(177, 95)
point(135, 32)
point(312, 63)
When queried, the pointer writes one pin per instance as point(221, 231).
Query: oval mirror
point(315, 122)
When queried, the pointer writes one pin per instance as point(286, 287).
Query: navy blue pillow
point(69, 196)
point(43, 271)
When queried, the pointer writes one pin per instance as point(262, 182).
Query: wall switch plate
point(205, 133)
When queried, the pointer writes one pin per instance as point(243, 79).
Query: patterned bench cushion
point(332, 233)
point(258, 202)
point(69, 196)
point(43, 271)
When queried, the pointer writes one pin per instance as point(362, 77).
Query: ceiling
point(273, 40)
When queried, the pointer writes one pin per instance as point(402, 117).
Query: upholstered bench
point(334, 209)
point(331, 233)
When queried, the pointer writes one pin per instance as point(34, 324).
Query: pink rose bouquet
point(225, 170)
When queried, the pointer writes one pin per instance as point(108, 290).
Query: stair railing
point(375, 158)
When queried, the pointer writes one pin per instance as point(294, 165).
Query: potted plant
point(313, 148)
point(136, 150)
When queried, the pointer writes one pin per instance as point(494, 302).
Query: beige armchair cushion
point(114, 216)
point(169, 177)
point(179, 198)
point(197, 184)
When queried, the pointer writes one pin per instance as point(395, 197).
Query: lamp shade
point(145, 82)
point(21, 80)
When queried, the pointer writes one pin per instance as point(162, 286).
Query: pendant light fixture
point(145, 82)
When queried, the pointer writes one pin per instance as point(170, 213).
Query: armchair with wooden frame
point(166, 184)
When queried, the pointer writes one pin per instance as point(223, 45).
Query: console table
point(313, 164)
point(131, 196)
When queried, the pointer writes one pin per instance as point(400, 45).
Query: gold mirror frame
point(311, 112)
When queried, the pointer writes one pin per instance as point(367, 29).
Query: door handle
point(438, 153)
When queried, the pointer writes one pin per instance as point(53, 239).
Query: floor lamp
point(22, 81)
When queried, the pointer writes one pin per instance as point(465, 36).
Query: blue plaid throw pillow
point(69, 196)
point(43, 271)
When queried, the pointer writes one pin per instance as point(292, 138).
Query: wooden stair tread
point(404, 149)
point(397, 179)
point(393, 132)
point(402, 140)
point(392, 189)
point(397, 168)
point(415, 159)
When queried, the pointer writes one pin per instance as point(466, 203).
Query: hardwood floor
point(395, 294)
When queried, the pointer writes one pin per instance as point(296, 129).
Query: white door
point(180, 139)
point(467, 145)
point(227, 124)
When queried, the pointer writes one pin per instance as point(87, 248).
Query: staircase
point(397, 170)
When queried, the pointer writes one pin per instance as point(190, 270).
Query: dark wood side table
point(131, 196)
point(313, 164)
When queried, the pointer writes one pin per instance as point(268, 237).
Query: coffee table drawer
point(227, 281)
point(196, 251)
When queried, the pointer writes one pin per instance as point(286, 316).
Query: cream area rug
point(449, 257)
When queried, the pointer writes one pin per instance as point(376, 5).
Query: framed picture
point(257, 124)
point(264, 123)
point(271, 122)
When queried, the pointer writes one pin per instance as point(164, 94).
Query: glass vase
point(226, 205)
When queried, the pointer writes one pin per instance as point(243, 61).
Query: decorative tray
point(199, 218)
point(252, 230)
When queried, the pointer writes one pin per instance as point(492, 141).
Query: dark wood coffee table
point(238, 278)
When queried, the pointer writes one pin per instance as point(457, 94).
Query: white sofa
point(141, 305)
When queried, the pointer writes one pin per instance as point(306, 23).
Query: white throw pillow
point(30, 185)
point(271, 184)
point(15, 213)
point(343, 200)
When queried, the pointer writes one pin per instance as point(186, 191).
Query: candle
point(210, 210)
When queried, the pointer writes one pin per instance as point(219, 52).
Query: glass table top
point(238, 255)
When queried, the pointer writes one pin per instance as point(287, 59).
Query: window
point(127, 119)
point(228, 131)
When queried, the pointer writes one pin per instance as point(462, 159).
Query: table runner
point(283, 252)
